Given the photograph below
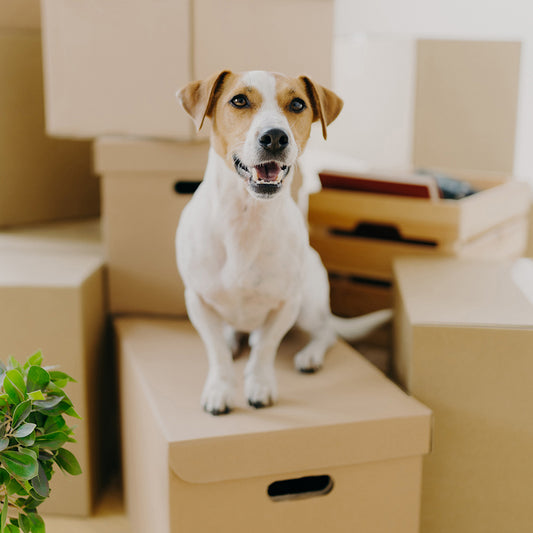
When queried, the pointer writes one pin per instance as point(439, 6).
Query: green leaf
point(21, 412)
point(14, 386)
point(36, 395)
point(24, 430)
point(3, 516)
point(38, 378)
point(71, 412)
point(52, 441)
point(49, 403)
point(24, 523)
point(54, 423)
point(21, 465)
point(37, 524)
point(12, 363)
point(14, 487)
point(12, 528)
point(56, 375)
point(4, 476)
point(4, 443)
point(40, 483)
point(27, 441)
point(67, 462)
point(36, 359)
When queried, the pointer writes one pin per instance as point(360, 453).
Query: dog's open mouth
point(264, 179)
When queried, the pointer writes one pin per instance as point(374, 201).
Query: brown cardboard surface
point(304, 49)
point(114, 67)
point(141, 211)
point(378, 433)
point(464, 332)
point(20, 14)
point(41, 179)
point(53, 300)
point(466, 104)
point(374, 258)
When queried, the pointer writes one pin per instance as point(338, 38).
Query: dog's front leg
point(219, 390)
point(260, 381)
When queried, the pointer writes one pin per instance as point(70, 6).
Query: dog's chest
point(249, 263)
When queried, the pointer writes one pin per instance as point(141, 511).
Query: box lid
point(466, 292)
point(348, 413)
point(112, 154)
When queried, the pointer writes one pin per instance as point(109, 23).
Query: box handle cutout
point(186, 186)
point(300, 488)
point(381, 232)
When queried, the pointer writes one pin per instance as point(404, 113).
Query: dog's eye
point(239, 101)
point(297, 105)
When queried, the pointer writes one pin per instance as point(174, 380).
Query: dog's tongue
point(268, 171)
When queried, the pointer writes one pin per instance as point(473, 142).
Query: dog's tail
point(354, 329)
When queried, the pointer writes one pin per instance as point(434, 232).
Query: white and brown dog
point(242, 243)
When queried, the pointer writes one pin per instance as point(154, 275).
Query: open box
point(491, 223)
point(464, 337)
point(347, 438)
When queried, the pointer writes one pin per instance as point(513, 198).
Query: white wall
point(388, 26)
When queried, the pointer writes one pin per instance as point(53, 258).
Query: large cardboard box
point(113, 68)
point(52, 299)
point(145, 186)
point(41, 179)
point(347, 428)
point(464, 336)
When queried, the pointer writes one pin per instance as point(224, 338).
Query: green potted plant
point(33, 432)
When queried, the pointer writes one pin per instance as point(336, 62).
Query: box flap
point(466, 104)
point(463, 292)
point(20, 14)
point(346, 414)
point(113, 155)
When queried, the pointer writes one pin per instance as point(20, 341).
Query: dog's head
point(260, 121)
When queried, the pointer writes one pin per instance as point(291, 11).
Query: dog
point(242, 244)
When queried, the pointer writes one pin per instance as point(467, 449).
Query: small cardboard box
point(41, 179)
point(348, 428)
point(145, 186)
point(53, 301)
point(113, 68)
point(464, 337)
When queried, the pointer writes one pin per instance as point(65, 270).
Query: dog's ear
point(199, 97)
point(326, 104)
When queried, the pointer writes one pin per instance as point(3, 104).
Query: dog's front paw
point(260, 389)
point(309, 359)
point(218, 396)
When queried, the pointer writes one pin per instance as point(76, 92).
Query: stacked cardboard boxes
point(51, 273)
point(464, 129)
point(121, 92)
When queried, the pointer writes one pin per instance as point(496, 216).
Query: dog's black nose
point(274, 140)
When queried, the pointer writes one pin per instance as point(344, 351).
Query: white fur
point(247, 267)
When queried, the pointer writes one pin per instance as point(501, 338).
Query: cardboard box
point(113, 68)
point(41, 179)
point(464, 336)
point(145, 186)
point(22, 14)
point(53, 300)
point(360, 430)
point(374, 258)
